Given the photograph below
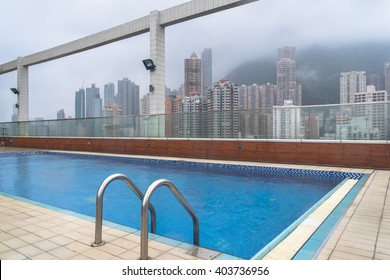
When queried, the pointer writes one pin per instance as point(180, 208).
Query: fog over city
point(235, 36)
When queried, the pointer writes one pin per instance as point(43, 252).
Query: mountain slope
point(319, 68)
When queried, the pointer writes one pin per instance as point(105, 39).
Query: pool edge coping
point(303, 253)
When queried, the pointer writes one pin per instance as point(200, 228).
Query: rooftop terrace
point(31, 231)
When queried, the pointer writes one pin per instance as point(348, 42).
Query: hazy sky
point(235, 36)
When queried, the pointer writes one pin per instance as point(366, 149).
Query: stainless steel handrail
point(99, 205)
point(144, 213)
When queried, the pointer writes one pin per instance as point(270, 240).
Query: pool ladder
point(146, 205)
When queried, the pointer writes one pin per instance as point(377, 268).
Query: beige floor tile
point(380, 256)
point(356, 251)
point(168, 256)
point(159, 246)
point(15, 243)
point(61, 240)
point(79, 257)
point(4, 248)
point(96, 254)
point(46, 245)
point(12, 255)
point(112, 249)
point(6, 227)
point(45, 256)
point(152, 253)
point(130, 255)
point(78, 247)
point(63, 253)
point(31, 238)
point(17, 232)
point(339, 255)
point(5, 236)
point(74, 235)
point(126, 244)
point(46, 234)
point(29, 251)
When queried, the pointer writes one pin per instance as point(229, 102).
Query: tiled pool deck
point(29, 231)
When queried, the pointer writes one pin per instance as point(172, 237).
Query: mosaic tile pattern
point(235, 168)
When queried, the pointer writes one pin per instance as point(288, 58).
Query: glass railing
point(363, 121)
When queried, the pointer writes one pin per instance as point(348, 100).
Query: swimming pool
point(240, 208)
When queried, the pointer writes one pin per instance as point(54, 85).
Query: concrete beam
point(180, 13)
point(124, 31)
point(8, 67)
point(120, 32)
point(197, 8)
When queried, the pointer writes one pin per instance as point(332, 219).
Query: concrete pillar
point(157, 77)
point(22, 85)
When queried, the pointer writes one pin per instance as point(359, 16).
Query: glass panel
point(359, 121)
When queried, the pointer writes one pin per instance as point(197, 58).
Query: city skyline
point(235, 36)
point(286, 58)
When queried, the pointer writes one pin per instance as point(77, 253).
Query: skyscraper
point(286, 84)
point(207, 70)
point(109, 94)
point(192, 75)
point(79, 104)
point(128, 97)
point(387, 77)
point(350, 83)
point(60, 114)
point(190, 124)
point(91, 104)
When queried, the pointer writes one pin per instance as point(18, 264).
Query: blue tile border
point(224, 167)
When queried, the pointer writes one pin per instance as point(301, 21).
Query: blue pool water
point(240, 209)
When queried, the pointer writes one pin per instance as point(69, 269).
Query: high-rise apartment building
point(128, 97)
point(60, 114)
point(257, 123)
point(190, 124)
point(79, 104)
point(376, 80)
point(192, 75)
point(93, 101)
point(207, 69)
point(221, 104)
point(286, 120)
point(249, 97)
point(351, 83)
point(109, 94)
point(257, 96)
point(145, 104)
point(387, 77)
point(97, 108)
point(287, 89)
point(364, 119)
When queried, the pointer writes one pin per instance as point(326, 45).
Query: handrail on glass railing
point(358, 121)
